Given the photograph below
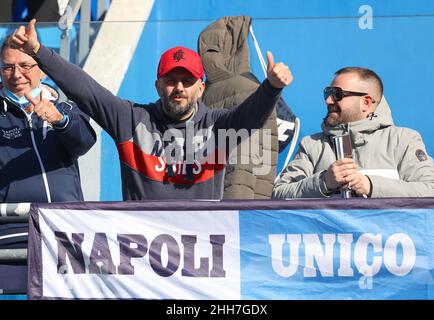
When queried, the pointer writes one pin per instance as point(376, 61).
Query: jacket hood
point(380, 118)
point(224, 49)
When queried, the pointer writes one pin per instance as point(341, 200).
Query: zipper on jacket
point(44, 175)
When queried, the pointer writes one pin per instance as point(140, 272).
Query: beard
point(333, 119)
point(335, 116)
point(177, 111)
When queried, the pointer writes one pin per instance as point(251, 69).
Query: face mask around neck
point(21, 101)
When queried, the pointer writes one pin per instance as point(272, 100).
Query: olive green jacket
point(224, 50)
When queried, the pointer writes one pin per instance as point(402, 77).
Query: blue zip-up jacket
point(38, 162)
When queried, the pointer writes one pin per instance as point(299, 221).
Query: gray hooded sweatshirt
point(394, 159)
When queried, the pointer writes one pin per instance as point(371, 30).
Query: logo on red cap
point(180, 57)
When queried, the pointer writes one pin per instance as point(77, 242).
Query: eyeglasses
point(338, 94)
point(24, 68)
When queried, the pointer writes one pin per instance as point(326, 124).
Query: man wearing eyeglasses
point(386, 161)
point(40, 139)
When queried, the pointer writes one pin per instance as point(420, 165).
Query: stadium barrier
point(296, 249)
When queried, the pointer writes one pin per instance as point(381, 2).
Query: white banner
point(234, 250)
point(140, 254)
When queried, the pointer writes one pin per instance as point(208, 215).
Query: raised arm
point(109, 111)
point(255, 110)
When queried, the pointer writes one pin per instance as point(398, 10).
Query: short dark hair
point(365, 74)
point(5, 45)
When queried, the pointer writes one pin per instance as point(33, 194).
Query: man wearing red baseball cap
point(180, 57)
point(178, 66)
point(161, 144)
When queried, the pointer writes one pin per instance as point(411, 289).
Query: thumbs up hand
point(278, 74)
point(44, 110)
point(25, 39)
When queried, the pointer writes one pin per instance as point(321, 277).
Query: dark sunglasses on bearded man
point(338, 94)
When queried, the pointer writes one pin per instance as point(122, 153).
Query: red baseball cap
point(180, 57)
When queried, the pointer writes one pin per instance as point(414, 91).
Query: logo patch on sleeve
point(421, 155)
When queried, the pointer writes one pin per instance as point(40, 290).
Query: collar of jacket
point(381, 118)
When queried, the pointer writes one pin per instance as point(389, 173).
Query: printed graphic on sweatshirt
point(11, 134)
point(188, 157)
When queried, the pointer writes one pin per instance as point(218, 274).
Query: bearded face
point(179, 91)
point(348, 108)
point(337, 114)
point(179, 105)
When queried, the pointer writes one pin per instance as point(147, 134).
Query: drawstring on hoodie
point(44, 129)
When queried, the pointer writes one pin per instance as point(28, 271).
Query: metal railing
point(66, 23)
point(13, 213)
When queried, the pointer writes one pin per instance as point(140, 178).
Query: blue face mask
point(22, 102)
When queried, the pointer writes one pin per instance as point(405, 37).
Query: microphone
point(343, 149)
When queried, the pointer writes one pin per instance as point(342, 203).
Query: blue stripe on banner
point(13, 297)
point(342, 254)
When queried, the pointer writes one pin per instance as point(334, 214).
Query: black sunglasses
point(338, 94)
